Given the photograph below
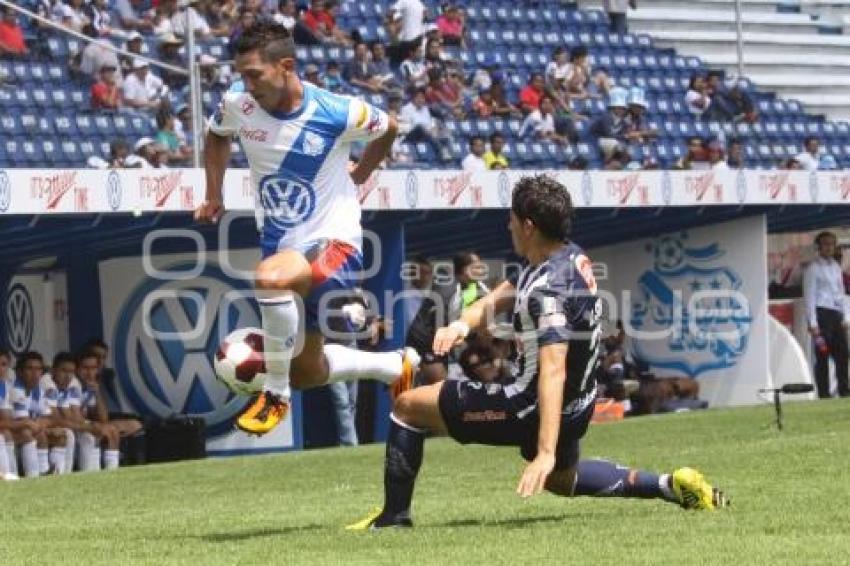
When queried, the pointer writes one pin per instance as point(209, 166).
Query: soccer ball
point(240, 363)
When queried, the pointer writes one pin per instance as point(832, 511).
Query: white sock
point(664, 486)
point(110, 458)
point(70, 449)
point(57, 459)
point(4, 457)
point(43, 461)
point(29, 455)
point(280, 323)
point(12, 458)
point(89, 453)
point(348, 364)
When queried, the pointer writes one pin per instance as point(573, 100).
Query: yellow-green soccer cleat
point(694, 492)
point(366, 522)
point(374, 521)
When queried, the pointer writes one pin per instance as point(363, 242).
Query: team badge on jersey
point(313, 144)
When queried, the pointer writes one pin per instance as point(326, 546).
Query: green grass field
point(789, 491)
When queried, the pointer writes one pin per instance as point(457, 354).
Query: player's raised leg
point(291, 285)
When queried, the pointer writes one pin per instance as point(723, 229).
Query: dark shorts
point(481, 414)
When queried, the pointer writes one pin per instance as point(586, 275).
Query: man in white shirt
point(810, 157)
point(412, 16)
point(828, 314)
point(474, 162)
point(142, 89)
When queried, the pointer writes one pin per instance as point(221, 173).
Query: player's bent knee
point(404, 407)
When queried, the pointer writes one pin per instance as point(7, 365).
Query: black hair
point(85, 355)
point(474, 138)
point(421, 259)
point(545, 202)
point(94, 342)
point(5, 352)
point(807, 139)
point(825, 234)
point(27, 356)
point(578, 51)
point(693, 80)
point(495, 135)
point(63, 357)
point(463, 260)
point(272, 40)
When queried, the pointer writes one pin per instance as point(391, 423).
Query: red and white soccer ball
point(240, 362)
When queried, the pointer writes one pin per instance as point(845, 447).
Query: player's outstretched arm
point(216, 156)
point(374, 153)
point(499, 300)
point(550, 393)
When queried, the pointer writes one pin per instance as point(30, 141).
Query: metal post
point(739, 27)
point(194, 88)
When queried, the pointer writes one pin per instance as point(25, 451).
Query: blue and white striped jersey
point(299, 162)
point(30, 404)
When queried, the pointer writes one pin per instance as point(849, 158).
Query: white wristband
point(461, 327)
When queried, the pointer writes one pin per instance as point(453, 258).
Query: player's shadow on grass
point(517, 522)
point(258, 533)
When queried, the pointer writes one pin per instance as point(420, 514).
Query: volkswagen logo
point(287, 202)
point(504, 185)
point(113, 190)
point(666, 188)
point(5, 191)
point(814, 185)
point(411, 189)
point(165, 342)
point(741, 186)
point(20, 319)
point(587, 188)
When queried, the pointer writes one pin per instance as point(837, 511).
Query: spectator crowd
point(406, 66)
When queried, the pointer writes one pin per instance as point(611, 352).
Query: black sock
point(401, 465)
point(600, 478)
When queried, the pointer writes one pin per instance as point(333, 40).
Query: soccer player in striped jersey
point(35, 420)
point(297, 138)
point(545, 411)
point(8, 458)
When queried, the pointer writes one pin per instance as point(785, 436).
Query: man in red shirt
point(320, 20)
point(11, 35)
point(530, 95)
point(105, 94)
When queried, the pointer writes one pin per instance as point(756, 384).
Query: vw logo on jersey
point(587, 188)
point(741, 186)
point(20, 319)
point(411, 189)
point(5, 191)
point(171, 371)
point(113, 190)
point(504, 185)
point(286, 202)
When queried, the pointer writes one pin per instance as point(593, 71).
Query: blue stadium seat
point(33, 154)
point(14, 157)
point(70, 151)
point(425, 153)
point(64, 126)
point(51, 155)
point(103, 125)
point(85, 125)
point(11, 124)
